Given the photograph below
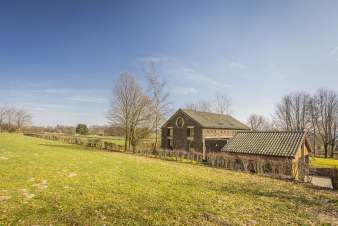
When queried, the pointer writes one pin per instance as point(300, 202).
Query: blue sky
point(59, 59)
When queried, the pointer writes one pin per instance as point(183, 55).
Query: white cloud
point(67, 91)
point(45, 107)
point(54, 91)
point(151, 59)
point(97, 100)
point(235, 65)
point(193, 75)
point(188, 74)
point(184, 91)
point(334, 51)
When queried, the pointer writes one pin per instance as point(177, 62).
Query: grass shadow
point(281, 195)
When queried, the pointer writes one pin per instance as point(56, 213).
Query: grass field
point(44, 182)
point(113, 139)
point(118, 140)
point(324, 163)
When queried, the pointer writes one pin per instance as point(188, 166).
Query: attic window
point(179, 122)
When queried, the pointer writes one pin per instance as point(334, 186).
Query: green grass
point(323, 163)
point(44, 182)
point(118, 140)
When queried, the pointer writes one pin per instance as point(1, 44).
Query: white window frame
point(182, 122)
point(171, 131)
point(193, 129)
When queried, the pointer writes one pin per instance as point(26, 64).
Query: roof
point(276, 143)
point(212, 120)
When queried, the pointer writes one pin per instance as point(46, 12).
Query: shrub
point(82, 129)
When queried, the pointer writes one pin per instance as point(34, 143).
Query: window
point(179, 122)
point(239, 164)
point(190, 132)
point(191, 145)
point(170, 132)
point(267, 168)
point(251, 167)
point(170, 144)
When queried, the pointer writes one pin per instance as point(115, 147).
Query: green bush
point(82, 129)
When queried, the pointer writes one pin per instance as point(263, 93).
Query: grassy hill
point(44, 182)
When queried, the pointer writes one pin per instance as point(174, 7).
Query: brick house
point(199, 131)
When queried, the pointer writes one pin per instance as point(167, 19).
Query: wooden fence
point(89, 142)
point(269, 167)
point(144, 149)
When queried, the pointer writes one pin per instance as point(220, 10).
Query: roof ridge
point(206, 112)
point(214, 120)
point(272, 131)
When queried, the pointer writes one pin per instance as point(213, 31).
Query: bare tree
point(120, 113)
point(10, 114)
point(22, 119)
point(258, 122)
point(292, 112)
point(222, 104)
point(2, 118)
point(313, 128)
point(12, 118)
point(324, 109)
point(159, 99)
point(130, 108)
point(141, 119)
point(203, 106)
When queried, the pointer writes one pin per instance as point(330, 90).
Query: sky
point(59, 59)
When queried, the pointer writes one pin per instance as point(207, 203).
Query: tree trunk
point(314, 142)
point(333, 147)
point(156, 133)
point(325, 149)
point(126, 138)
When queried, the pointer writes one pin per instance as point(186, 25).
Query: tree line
point(14, 119)
point(100, 130)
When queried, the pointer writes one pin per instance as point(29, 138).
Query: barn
point(285, 152)
point(199, 131)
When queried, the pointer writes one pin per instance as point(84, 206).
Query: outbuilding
point(284, 152)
